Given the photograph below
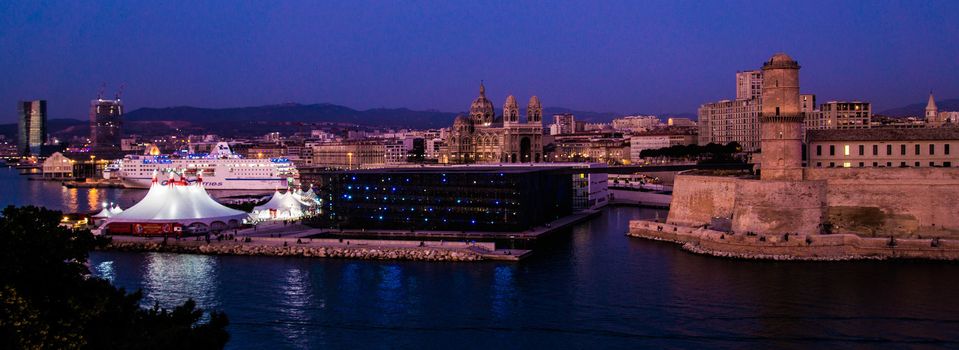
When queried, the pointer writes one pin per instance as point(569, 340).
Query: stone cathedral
point(485, 138)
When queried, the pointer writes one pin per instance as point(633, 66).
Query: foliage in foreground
point(48, 300)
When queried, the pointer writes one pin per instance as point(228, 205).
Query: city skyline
point(621, 58)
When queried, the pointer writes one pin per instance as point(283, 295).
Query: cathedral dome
point(481, 110)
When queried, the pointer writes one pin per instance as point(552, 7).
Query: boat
point(222, 169)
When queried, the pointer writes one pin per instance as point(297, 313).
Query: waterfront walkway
point(291, 234)
point(278, 229)
point(486, 250)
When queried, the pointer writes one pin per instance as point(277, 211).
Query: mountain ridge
point(919, 109)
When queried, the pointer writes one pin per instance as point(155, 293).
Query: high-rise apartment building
point(564, 124)
point(728, 121)
point(807, 103)
point(31, 126)
point(105, 123)
point(749, 84)
point(840, 115)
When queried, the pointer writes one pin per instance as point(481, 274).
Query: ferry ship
point(222, 169)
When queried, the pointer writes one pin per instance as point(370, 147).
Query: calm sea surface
point(592, 287)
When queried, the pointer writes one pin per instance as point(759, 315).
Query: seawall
point(796, 246)
point(275, 247)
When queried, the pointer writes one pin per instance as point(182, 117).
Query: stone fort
point(790, 198)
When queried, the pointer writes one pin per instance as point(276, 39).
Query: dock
point(533, 234)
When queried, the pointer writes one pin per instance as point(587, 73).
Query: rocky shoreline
point(835, 247)
point(694, 247)
point(238, 248)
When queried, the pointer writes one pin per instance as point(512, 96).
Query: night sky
point(631, 57)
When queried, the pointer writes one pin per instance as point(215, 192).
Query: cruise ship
point(221, 169)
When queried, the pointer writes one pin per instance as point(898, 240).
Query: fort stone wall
point(903, 202)
point(697, 199)
point(777, 207)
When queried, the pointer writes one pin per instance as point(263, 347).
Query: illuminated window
point(846, 150)
point(846, 165)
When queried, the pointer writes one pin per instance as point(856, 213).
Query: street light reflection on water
point(503, 291)
point(296, 304)
point(170, 279)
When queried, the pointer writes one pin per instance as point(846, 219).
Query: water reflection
point(504, 291)
point(93, 198)
point(104, 270)
point(605, 291)
point(389, 293)
point(171, 279)
point(69, 199)
point(296, 303)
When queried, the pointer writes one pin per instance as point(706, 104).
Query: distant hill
point(291, 117)
point(53, 125)
point(919, 109)
point(326, 112)
point(293, 112)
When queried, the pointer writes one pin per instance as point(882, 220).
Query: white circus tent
point(280, 206)
point(103, 214)
point(182, 203)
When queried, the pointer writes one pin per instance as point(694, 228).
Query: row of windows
point(889, 149)
point(887, 164)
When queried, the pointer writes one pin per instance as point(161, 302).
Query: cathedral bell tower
point(781, 120)
point(510, 111)
point(534, 111)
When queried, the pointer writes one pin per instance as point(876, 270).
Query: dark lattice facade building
point(446, 198)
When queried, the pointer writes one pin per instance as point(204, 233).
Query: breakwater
point(794, 246)
point(265, 247)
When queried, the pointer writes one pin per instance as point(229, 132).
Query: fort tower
point(781, 120)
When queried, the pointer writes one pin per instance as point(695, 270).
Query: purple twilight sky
point(624, 57)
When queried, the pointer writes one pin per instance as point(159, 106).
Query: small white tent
point(280, 206)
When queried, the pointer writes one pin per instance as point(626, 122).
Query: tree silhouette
point(48, 299)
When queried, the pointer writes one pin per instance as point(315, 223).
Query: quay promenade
point(795, 246)
point(294, 239)
point(528, 235)
point(317, 247)
point(296, 230)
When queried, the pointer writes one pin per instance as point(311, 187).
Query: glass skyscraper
point(31, 127)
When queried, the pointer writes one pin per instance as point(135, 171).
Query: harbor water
point(591, 287)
